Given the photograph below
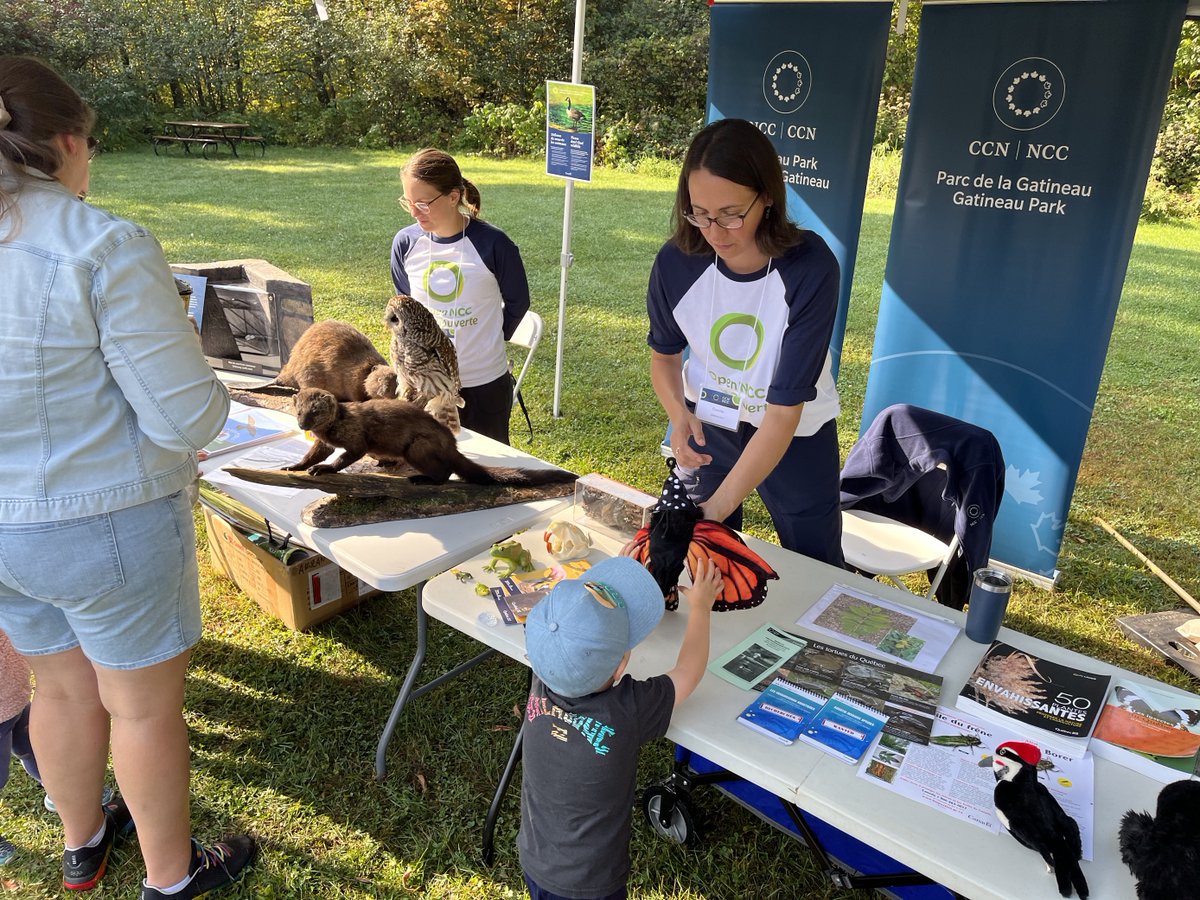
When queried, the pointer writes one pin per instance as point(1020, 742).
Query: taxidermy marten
point(338, 358)
point(396, 430)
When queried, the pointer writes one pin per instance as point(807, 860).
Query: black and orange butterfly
point(678, 534)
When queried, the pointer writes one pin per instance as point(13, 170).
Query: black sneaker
point(83, 868)
point(212, 867)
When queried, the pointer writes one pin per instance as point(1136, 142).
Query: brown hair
point(439, 168)
point(41, 106)
point(736, 150)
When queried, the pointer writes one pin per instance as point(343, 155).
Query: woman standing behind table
point(470, 275)
point(107, 398)
point(752, 298)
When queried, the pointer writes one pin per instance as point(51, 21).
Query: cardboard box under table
point(300, 593)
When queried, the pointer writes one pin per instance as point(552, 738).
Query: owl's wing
point(744, 572)
point(448, 358)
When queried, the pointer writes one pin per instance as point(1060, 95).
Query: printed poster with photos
point(881, 627)
point(953, 772)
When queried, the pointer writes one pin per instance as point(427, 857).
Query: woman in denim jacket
point(106, 398)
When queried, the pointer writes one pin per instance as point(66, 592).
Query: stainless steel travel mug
point(989, 599)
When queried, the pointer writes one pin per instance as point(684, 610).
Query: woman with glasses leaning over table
point(107, 398)
point(751, 298)
point(469, 274)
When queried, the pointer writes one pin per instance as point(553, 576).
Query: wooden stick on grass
point(1167, 580)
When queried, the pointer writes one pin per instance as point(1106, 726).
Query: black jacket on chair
point(895, 470)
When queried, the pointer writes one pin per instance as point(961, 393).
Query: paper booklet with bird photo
point(1052, 704)
point(243, 428)
point(1154, 730)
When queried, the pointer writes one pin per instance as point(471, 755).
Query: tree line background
point(466, 74)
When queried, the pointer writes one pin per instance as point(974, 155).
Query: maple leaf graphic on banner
point(1022, 486)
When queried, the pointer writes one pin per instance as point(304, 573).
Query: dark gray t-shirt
point(580, 776)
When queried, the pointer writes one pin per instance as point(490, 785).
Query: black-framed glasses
point(93, 145)
point(728, 222)
point(421, 206)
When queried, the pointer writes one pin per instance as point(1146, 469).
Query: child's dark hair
point(736, 150)
point(439, 168)
point(38, 106)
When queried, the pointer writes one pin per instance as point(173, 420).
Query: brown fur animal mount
point(396, 430)
point(338, 358)
point(424, 359)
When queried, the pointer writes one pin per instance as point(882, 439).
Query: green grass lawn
point(284, 725)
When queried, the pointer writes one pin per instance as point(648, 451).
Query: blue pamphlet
point(844, 728)
point(781, 711)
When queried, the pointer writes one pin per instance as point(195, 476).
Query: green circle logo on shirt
point(443, 281)
point(730, 320)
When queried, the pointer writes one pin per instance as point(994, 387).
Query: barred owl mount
point(424, 359)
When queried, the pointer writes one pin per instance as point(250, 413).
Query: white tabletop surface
point(394, 555)
point(974, 862)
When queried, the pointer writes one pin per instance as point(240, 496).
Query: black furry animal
point(338, 358)
point(397, 431)
point(1163, 850)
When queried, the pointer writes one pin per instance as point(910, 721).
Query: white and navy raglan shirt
point(473, 283)
point(762, 337)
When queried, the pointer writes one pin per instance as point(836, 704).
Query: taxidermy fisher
point(1163, 850)
point(678, 533)
point(1029, 812)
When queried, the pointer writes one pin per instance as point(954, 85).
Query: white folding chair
point(887, 548)
point(527, 335)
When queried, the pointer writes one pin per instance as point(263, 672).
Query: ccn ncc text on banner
point(1030, 136)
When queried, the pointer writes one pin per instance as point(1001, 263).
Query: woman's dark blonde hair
point(439, 168)
point(736, 150)
point(41, 105)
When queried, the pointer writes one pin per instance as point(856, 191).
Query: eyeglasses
point(729, 222)
point(420, 205)
point(93, 145)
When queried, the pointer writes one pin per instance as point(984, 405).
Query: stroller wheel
point(669, 813)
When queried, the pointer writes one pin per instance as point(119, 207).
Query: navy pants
point(801, 494)
point(14, 741)
point(488, 407)
point(540, 893)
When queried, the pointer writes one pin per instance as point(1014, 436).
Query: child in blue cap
point(585, 723)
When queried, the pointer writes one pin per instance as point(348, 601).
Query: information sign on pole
point(570, 129)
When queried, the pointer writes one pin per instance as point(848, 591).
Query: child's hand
point(706, 585)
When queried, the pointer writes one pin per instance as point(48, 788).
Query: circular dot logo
point(1029, 93)
point(443, 281)
point(738, 341)
point(787, 80)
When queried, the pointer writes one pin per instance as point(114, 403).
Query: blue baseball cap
point(576, 636)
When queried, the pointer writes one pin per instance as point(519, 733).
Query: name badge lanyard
point(721, 408)
point(457, 267)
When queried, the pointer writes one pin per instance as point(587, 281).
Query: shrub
point(1161, 204)
point(505, 129)
point(1177, 154)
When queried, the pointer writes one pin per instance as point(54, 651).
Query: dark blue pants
point(14, 741)
point(539, 893)
point(488, 408)
point(801, 494)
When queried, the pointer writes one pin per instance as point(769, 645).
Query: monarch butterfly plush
point(678, 533)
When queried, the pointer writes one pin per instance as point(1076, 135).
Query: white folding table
point(396, 555)
point(964, 858)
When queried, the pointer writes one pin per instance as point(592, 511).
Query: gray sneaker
point(105, 797)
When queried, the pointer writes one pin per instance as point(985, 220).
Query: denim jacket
point(105, 394)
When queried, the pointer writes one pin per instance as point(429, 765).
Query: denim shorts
point(123, 586)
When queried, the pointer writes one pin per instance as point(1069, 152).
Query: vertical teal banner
point(1030, 136)
point(808, 75)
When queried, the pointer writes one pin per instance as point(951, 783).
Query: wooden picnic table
point(208, 136)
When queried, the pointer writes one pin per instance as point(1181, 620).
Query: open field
point(284, 725)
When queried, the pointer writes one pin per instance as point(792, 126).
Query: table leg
point(489, 826)
point(840, 877)
point(406, 689)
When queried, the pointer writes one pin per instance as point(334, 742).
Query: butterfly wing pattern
point(678, 535)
